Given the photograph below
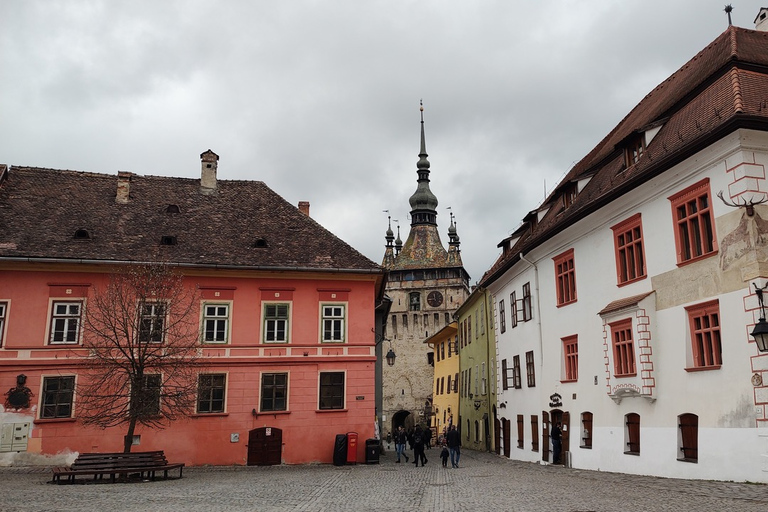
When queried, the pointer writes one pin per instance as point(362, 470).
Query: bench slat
point(113, 464)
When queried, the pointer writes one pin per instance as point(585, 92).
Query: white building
point(624, 304)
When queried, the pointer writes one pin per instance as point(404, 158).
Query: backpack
point(417, 439)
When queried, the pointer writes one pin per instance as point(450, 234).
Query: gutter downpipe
point(538, 310)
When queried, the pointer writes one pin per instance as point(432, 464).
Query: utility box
point(14, 437)
point(351, 447)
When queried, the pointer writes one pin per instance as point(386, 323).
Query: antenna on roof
point(728, 9)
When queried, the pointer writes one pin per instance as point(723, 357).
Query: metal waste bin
point(351, 447)
point(372, 451)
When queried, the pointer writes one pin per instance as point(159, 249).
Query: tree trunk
point(128, 439)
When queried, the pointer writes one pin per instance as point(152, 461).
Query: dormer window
point(569, 195)
point(172, 208)
point(82, 234)
point(260, 243)
point(168, 240)
point(634, 150)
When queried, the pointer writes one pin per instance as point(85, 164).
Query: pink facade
point(207, 438)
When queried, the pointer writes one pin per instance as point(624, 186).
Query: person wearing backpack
point(418, 447)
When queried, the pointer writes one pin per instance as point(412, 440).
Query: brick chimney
point(123, 187)
point(304, 207)
point(209, 163)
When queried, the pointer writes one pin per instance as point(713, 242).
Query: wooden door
point(497, 435)
point(507, 436)
point(265, 446)
point(566, 430)
point(545, 436)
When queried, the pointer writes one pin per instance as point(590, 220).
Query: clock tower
point(426, 284)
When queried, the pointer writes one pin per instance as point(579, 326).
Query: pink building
point(287, 313)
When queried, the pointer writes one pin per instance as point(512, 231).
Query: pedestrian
point(454, 445)
point(418, 447)
point(428, 433)
point(557, 442)
point(444, 455)
point(400, 439)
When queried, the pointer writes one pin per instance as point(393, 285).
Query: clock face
point(435, 299)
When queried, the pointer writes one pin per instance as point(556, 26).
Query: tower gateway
point(427, 284)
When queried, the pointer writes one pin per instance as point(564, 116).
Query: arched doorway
point(402, 419)
point(265, 446)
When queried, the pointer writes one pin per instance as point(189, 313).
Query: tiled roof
point(42, 209)
point(623, 303)
point(423, 249)
point(721, 89)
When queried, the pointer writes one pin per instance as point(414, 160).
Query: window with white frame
point(65, 322)
point(333, 316)
point(152, 322)
point(57, 397)
point(276, 322)
point(274, 392)
point(331, 390)
point(211, 391)
point(215, 323)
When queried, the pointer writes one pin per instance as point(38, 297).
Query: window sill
point(566, 381)
point(697, 258)
point(584, 447)
point(207, 344)
point(630, 281)
point(637, 454)
point(272, 413)
point(625, 375)
point(703, 368)
point(53, 420)
point(209, 415)
point(331, 410)
point(562, 304)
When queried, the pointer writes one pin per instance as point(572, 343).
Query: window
point(456, 382)
point(520, 432)
point(151, 322)
point(530, 370)
point(634, 150)
point(3, 309)
point(449, 385)
point(502, 317)
point(504, 374)
point(148, 396)
point(586, 430)
point(65, 322)
point(482, 318)
point(571, 358)
point(516, 372)
point(527, 310)
point(215, 323)
point(688, 440)
point(513, 308)
point(442, 350)
point(331, 390)
point(276, 322)
point(274, 392)
point(628, 243)
point(632, 434)
point(623, 349)
point(442, 385)
point(694, 226)
point(534, 433)
point(333, 322)
point(469, 330)
point(210, 393)
point(394, 325)
point(57, 397)
point(477, 379)
point(565, 278)
point(569, 194)
point(477, 431)
point(704, 321)
point(483, 381)
point(414, 302)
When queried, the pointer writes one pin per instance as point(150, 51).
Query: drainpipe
point(538, 310)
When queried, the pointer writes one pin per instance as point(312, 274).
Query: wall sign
point(555, 400)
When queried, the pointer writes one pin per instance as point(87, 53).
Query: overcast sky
point(320, 99)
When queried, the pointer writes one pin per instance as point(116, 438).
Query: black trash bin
point(372, 451)
point(340, 450)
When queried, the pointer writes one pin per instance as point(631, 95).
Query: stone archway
point(403, 419)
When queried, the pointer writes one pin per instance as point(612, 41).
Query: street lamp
point(391, 356)
point(760, 332)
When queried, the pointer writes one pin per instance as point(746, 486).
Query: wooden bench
point(145, 464)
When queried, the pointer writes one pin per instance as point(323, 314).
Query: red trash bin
point(351, 447)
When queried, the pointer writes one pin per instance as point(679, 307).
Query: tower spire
point(423, 201)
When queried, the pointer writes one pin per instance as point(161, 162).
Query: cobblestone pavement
point(483, 482)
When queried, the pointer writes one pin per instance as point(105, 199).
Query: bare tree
point(142, 335)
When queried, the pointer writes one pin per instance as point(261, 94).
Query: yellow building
point(445, 396)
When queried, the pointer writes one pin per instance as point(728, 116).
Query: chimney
point(123, 187)
point(304, 207)
point(761, 21)
point(209, 163)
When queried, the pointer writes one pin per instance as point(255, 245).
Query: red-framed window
point(623, 348)
point(516, 375)
point(694, 222)
point(513, 308)
point(565, 278)
point(704, 321)
point(571, 358)
point(530, 369)
point(630, 255)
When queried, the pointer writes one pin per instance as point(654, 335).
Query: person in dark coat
point(419, 440)
point(454, 445)
point(557, 442)
point(400, 439)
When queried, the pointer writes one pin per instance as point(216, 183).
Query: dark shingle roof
point(41, 209)
point(720, 90)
